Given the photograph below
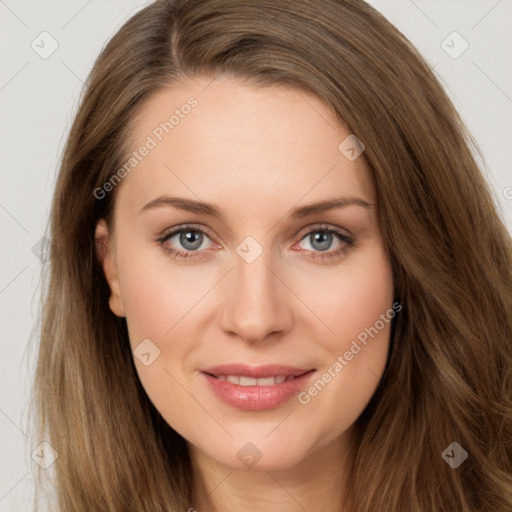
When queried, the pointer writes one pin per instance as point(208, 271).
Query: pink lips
point(256, 397)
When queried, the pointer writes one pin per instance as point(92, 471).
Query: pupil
point(191, 239)
point(324, 239)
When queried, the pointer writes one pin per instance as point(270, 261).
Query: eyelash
point(348, 242)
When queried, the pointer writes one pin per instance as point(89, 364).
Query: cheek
point(360, 312)
point(162, 300)
point(156, 306)
point(148, 303)
point(352, 298)
point(157, 293)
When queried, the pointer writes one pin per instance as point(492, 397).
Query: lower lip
point(257, 398)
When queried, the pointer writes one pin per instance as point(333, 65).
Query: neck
point(317, 482)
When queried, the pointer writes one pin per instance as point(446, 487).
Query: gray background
point(38, 97)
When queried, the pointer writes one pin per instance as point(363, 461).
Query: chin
point(259, 454)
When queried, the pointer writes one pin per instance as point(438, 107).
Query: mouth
point(256, 388)
point(242, 380)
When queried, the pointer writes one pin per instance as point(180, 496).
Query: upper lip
point(257, 372)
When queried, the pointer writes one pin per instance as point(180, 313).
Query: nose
point(257, 302)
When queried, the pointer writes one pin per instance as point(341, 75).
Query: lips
point(256, 388)
point(256, 372)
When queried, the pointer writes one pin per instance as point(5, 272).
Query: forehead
point(228, 140)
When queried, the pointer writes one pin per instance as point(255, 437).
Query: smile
point(256, 388)
point(251, 381)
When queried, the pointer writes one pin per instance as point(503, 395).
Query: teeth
point(250, 381)
point(268, 381)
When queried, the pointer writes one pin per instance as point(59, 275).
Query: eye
point(191, 238)
point(321, 239)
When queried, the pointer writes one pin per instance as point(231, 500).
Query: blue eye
point(189, 237)
point(321, 238)
point(192, 238)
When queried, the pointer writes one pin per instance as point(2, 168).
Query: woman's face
point(257, 278)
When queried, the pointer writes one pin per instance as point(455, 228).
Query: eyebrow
point(201, 207)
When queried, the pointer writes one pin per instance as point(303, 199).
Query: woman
point(245, 367)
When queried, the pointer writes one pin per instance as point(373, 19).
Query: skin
point(256, 153)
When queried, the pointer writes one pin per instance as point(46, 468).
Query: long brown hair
point(449, 373)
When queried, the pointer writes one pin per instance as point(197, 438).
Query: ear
point(108, 261)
